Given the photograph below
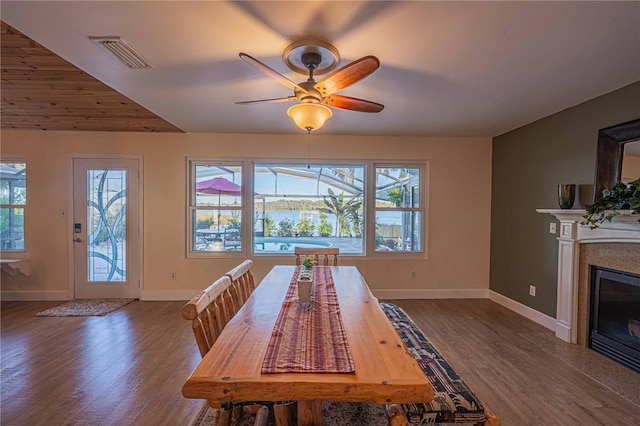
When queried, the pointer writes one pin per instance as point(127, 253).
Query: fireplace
point(614, 245)
point(615, 316)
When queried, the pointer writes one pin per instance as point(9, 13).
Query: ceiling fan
point(317, 56)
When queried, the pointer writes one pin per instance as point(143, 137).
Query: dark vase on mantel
point(566, 195)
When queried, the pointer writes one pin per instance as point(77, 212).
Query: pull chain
point(308, 147)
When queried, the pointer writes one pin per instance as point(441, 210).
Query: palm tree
point(336, 206)
point(353, 212)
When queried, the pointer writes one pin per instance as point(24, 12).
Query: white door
point(106, 231)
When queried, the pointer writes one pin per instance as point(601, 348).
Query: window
point(308, 205)
point(399, 209)
point(13, 201)
point(241, 208)
point(215, 219)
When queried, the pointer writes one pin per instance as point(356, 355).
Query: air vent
point(120, 49)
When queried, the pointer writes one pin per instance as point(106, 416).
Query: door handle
point(77, 240)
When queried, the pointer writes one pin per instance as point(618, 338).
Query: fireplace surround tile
point(619, 256)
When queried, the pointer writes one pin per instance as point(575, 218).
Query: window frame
point(13, 160)
point(422, 209)
point(364, 164)
point(192, 163)
point(248, 204)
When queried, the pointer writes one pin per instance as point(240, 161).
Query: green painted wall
point(528, 164)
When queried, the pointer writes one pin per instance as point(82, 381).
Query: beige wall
point(458, 229)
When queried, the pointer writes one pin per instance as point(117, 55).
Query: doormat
point(333, 414)
point(85, 308)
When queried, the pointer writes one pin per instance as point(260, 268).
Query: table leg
point(310, 413)
point(284, 413)
point(224, 415)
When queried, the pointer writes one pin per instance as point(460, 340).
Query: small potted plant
point(308, 262)
point(621, 198)
point(305, 279)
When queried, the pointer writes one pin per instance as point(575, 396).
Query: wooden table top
point(385, 372)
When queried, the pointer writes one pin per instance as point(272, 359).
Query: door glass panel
point(106, 225)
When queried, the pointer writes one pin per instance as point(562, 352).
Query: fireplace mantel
point(624, 228)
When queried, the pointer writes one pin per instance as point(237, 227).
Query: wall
point(459, 192)
point(528, 164)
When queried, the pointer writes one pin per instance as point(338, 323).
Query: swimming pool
point(286, 244)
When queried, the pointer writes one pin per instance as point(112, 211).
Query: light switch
point(552, 228)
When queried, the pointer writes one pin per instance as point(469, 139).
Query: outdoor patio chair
point(232, 239)
point(322, 256)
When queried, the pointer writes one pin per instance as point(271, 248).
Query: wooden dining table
point(385, 372)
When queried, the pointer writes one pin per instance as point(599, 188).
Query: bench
point(453, 401)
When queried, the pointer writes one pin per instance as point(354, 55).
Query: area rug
point(85, 308)
point(333, 414)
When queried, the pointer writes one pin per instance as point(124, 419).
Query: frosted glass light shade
point(309, 116)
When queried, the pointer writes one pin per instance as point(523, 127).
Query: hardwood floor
point(128, 367)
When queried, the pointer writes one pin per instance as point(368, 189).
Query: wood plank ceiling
point(41, 91)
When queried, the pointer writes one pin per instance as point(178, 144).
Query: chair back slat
point(203, 342)
point(322, 256)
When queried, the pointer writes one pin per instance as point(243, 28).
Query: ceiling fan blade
point(347, 75)
point(353, 104)
point(272, 73)
point(288, 98)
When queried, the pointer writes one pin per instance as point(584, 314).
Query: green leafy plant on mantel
point(621, 197)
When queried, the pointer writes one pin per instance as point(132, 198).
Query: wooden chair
point(322, 256)
point(209, 312)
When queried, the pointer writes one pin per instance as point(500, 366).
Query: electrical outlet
point(173, 275)
point(552, 228)
point(532, 290)
point(413, 275)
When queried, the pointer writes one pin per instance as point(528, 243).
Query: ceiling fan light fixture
point(309, 116)
point(328, 55)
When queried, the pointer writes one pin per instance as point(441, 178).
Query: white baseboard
point(178, 295)
point(33, 296)
point(483, 293)
point(527, 312)
point(469, 293)
point(563, 332)
point(168, 295)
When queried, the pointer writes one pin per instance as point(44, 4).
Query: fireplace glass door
point(615, 319)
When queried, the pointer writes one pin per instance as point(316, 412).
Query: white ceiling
point(447, 68)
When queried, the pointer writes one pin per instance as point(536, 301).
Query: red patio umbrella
point(220, 186)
